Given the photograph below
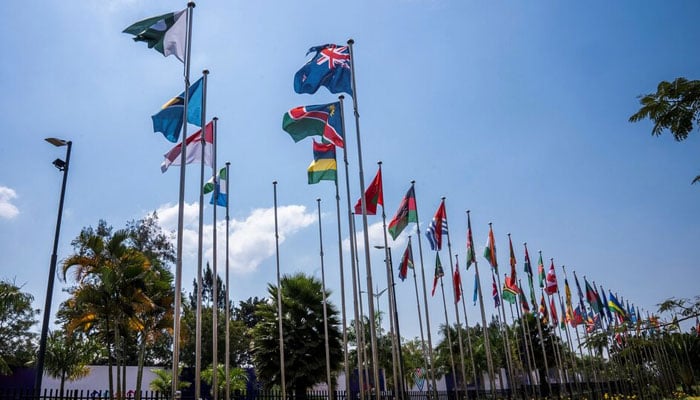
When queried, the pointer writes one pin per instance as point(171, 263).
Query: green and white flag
point(166, 33)
point(217, 186)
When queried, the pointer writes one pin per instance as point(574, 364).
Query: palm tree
point(302, 321)
point(237, 378)
point(162, 383)
point(67, 357)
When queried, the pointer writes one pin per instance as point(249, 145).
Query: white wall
point(98, 379)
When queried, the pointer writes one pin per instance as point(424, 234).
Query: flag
point(406, 262)
point(580, 294)
point(567, 292)
point(323, 167)
point(527, 267)
point(616, 307)
point(565, 316)
point(544, 316)
point(315, 120)
point(168, 120)
point(604, 299)
point(533, 297)
point(553, 311)
point(540, 270)
point(592, 322)
point(523, 302)
point(193, 145)
point(510, 291)
point(165, 33)
point(496, 297)
point(218, 186)
point(578, 317)
point(490, 251)
point(512, 260)
point(373, 195)
point(406, 213)
point(439, 273)
point(457, 284)
point(329, 67)
point(471, 255)
point(551, 286)
point(476, 288)
point(592, 297)
point(437, 228)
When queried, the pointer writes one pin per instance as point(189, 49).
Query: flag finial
point(274, 182)
point(191, 4)
point(379, 162)
point(341, 97)
point(205, 72)
point(215, 118)
point(351, 41)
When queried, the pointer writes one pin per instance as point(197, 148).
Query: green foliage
point(237, 378)
point(68, 356)
point(163, 383)
point(304, 347)
point(16, 318)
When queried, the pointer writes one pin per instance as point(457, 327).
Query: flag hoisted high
point(592, 296)
point(218, 187)
point(510, 290)
point(490, 251)
point(457, 284)
point(615, 306)
point(540, 270)
point(373, 194)
point(544, 316)
point(315, 120)
point(168, 120)
point(437, 228)
point(165, 33)
point(329, 67)
point(528, 266)
point(406, 213)
point(471, 254)
point(193, 145)
point(608, 315)
point(523, 302)
point(439, 272)
point(551, 287)
point(476, 288)
point(323, 167)
point(406, 262)
point(511, 281)
point(496, 297)
point(553, 311)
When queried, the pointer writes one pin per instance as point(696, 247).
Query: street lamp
point(62, 166)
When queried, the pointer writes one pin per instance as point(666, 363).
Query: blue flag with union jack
point(437, 228)
point(329, 67)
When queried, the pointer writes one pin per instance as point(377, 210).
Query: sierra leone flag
point(218, 186)
point(165, 33)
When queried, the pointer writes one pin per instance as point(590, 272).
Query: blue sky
point(516, 111)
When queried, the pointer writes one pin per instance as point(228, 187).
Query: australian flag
point(437, 228)
point(330, 67)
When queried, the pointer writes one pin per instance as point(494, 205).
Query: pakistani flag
point(218, 186)
point(165, 33)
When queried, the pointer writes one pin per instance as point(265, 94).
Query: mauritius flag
point(316, 120)
point(323, 167)
point(329, 67)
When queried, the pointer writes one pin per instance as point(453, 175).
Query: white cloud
point(376, 238)
point(7, 209)
point(251, 240)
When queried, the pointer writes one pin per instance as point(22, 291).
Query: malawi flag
point(165, 33)
point(316, 120)
point(323, 167)
point(406, 262)
point(406, 213)
point(373, 194)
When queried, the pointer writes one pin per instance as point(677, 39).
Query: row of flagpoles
point(332, 66)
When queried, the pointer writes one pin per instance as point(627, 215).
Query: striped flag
point(437, 228)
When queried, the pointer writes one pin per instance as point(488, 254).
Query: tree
point(68, 356)
point(163, 382)
point(237, 378)
point(16, 318)
point(303, 326)
point(674, 107)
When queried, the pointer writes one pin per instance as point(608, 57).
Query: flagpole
point(352, 259)
point(392, 316)
point(487, 341)
point(425, 303)
point(215, 273)
point(544, 353)
point(459, 324)
point(469, 339)
point(368, 267)
point(181, 210)
point(507, 341)
point(325, 305)
point(585, 333)
point(279, 297)
point(420, 317)
point(200, 230)
point(359, 326)
point(228, 301)
point(523, 325)
point(447, 327)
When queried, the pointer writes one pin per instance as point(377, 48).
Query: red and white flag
point(194, 149)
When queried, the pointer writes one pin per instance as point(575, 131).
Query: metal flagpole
point(544, 353)
point(198, 328)
point(359, 310)
point(392, 316)
point(399, 355)
point(181, 210)
point(325, 308)
point(469, 339)
point(509, 362)
point(487, 344)
point(523, 323)
point(228, 301)
point(425, 304)
point(353, 265)
point(420, 317)
point(215, 277)
point(279, 297)
point(368, 267)
point(459, 324)
point(447, 328)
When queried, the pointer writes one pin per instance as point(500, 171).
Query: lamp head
point(56, 142)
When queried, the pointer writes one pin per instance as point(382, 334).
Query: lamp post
point(62, 166)
point(395, 317)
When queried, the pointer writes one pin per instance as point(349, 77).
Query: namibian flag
point(324, 167)
point(316, 120)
